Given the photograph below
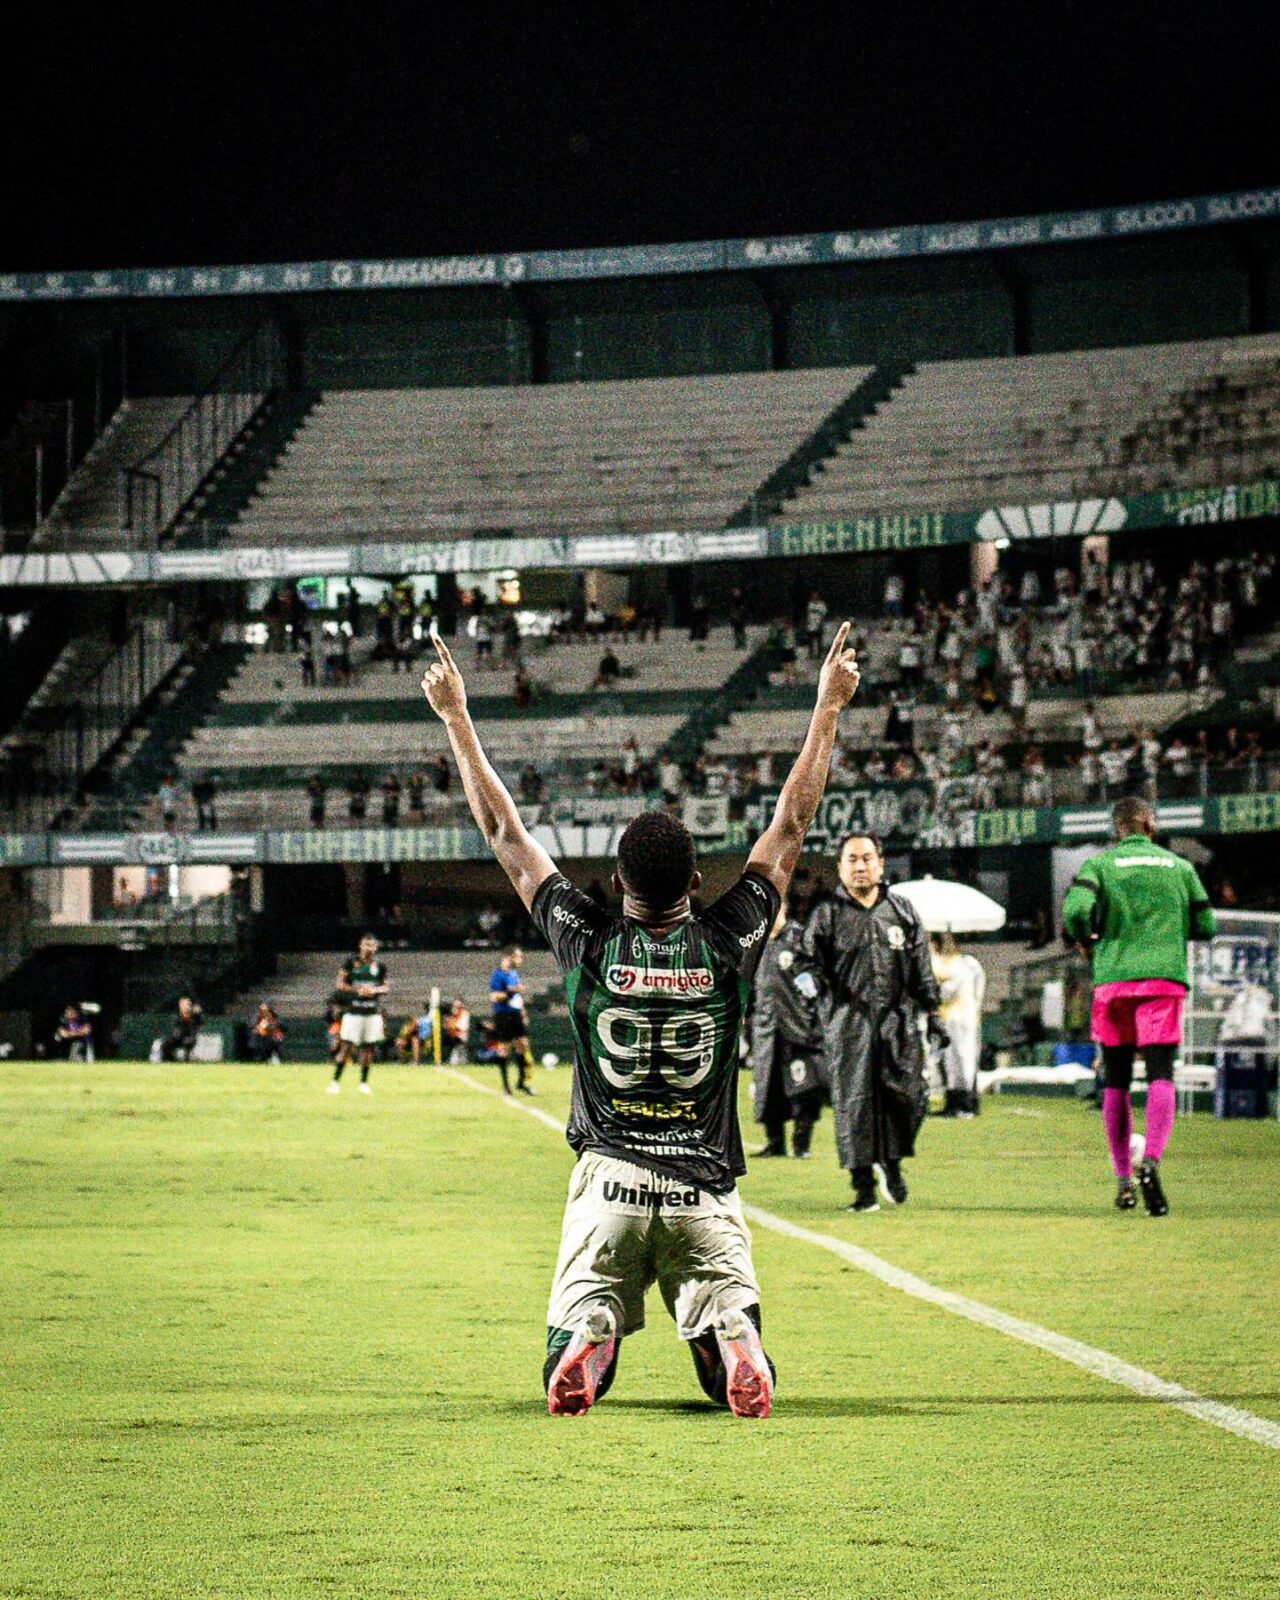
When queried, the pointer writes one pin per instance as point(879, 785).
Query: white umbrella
point(947, 907)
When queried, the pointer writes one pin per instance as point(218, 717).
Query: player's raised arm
point(778, 849)
point(519, 854)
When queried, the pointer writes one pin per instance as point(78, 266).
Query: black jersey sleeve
point(738, 923)
point(572, 923)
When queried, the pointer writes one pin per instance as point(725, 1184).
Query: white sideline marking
point(1101, 1363)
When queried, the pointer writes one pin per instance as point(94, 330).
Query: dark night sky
point(322, 134)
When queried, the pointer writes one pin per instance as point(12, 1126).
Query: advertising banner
point(630, 261)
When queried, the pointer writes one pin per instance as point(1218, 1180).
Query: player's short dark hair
point(862, 833)
point(656, 858)
point(512, 950)
point(1132, 813)
point(365, 936)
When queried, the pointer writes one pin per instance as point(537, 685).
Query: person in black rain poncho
point(872, 954)
point(786, 1040)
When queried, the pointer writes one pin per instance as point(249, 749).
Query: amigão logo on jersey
point(688, 982)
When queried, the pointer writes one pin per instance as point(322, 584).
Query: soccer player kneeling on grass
point(1133, 908)
point(657, 998)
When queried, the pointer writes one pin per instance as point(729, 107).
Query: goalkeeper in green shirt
point(1133, 908)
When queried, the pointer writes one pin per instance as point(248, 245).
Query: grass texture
point(260, 1341)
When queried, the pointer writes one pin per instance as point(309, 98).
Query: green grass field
point(258, 1341)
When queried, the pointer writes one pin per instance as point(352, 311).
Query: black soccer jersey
point(363, 974)
point(655, 1024)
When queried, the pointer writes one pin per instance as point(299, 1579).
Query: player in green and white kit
point(657, 998)
point(362, 983)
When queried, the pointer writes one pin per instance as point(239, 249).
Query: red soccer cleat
point(586, 1359)
point(749, 1387)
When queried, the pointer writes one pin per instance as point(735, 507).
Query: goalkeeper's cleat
point(365, 1089)
point(748, 1381)
point(585, 1363)
point(1126, 1195)
point(334, 1087)
point(1152, 1189)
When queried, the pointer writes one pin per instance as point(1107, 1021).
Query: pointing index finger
point(442, 649)
point(837, 644)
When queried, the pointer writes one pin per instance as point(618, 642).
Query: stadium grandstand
point(1041, 481)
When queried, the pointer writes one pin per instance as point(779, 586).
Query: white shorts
point(626, 1228)
point(363, 1027)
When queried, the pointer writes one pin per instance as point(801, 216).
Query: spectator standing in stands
point(510, 637)
point(530, 785)
point(317, 797)
point(1090, 732)
point(700, 624)
point(522, 689)
point(417, 787)
point(815, 622)
point(900, 726)
point(786, 1041)
point(910, 672)
point(390, 801)
point(203, 792)
point(350, 607)
point(1114, 763)
point(1147, 751)
point(1178, 760)
point(332, 656)
point(670, 779)
point(484, 641)
point(1132, 909)
point(441, 776)
point(307, 661)
point(358, 798)
point(738, 618)
point(594, 620)
point(894, 590)
point(1018, 700)
point(872, 954)
point(266, 1035)
point(1090, 772)
point(630, 762)
point(169, 800)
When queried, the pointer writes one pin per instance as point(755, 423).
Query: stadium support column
point(532, 310)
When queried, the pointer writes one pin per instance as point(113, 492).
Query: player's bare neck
point(653, 921)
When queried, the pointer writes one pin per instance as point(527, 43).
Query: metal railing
point(44, 769)
point(155, 489)
point(50, 439)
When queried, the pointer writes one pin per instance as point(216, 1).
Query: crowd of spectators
point(1128, 624)
point(1080, 631)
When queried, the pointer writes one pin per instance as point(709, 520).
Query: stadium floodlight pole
point(527, 863)
point(435, 1025)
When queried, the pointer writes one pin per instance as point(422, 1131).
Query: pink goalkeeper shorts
point(1147, 1011)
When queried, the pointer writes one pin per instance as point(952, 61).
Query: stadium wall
point(1078, 296)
